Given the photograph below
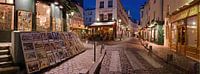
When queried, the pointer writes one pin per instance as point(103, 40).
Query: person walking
point(102, 47)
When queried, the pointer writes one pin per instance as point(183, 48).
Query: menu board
point(44, 49)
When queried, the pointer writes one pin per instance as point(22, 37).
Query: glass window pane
point(192, 31)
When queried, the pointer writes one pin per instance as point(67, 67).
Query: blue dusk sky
point(132, 5)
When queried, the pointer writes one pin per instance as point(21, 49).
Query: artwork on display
point(51, 58)
point(43, 63)
point(30, 56)
point(45, 49)
point(44, 36)
point(36, 36)
point(26, 37)
point(33, 66)
point(41, 54)
point(6, 14)
point(24, 21)
point(39, 46)
point(28, 47)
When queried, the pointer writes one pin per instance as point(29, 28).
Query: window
point(101, 17)
point(90, 19)
point(110, 3)
point(101, 4)
point(192, 31)
point(110, 16)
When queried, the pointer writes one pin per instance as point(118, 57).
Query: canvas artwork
point(47, 47)
point(37, 36)
point(41, 54)
point(29, 56)
point(39, 46)
point(50, 37)
point(43, 63)
point(44, 36)
point(33, 66)
point(26, 37)
point(28, 47)
point(51, 58)
point(24, 21)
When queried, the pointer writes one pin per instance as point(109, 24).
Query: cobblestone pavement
point(78, 64)
point(134, 59)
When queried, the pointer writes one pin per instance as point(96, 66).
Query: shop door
point(181, 40)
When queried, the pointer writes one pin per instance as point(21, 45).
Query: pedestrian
point(102, 47)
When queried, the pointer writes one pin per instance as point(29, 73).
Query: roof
point(102, 24)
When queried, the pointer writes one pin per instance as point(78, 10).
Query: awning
point(103, 24)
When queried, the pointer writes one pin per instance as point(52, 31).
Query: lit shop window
point(6, 17)
point(43, 17)
point(192, 31)
point(24, 21)
point(174, 33)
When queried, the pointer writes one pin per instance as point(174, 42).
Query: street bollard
point(196, 68)
point(150, 49)
point(169, 58)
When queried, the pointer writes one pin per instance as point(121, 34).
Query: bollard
point(150, 49)
point(146, 45)
point(196, 68)
point(169, 58)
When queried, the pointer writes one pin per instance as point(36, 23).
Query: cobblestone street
point(133, 59)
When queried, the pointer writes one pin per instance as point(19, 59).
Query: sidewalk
point(78, 64)
point(179, 61)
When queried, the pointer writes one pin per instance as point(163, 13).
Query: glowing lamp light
point(61, 6)
point(56, 3)
point(120, 20)
point(193, 23)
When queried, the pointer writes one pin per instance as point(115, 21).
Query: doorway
point(181, 44)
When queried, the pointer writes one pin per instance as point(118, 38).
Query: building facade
point(112, 11)
point(182, 27)
point(89, 16)
point(76, 23)
point(152, 21)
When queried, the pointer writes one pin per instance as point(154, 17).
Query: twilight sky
point(132, 5)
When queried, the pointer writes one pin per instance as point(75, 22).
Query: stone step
point(4, 47)
point(4, 56)
point(6, 64)
point(4, 52)
point(10, 70)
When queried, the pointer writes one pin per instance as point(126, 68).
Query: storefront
point(104, 31)
point(6, 19)
point(184, 30)
point(156, 32)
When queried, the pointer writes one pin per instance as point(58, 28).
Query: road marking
point(115, 64)
point(150, 60)
point(134, 61)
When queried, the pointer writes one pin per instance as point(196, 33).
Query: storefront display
point(42, 50)
point(6, 17)
point(24, 21)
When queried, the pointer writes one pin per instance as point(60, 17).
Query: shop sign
point(193, 10)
